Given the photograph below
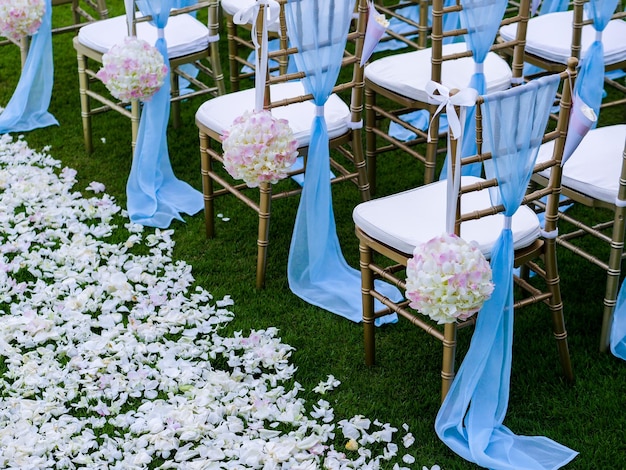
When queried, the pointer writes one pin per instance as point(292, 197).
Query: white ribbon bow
point(465, 97)
point(248, 15)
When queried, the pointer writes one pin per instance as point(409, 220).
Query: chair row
point(384, 93)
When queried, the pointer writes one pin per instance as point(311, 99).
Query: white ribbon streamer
point(248, 15)
point(130, 13)
point(464, 98)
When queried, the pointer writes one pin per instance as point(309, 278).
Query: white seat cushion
point(184, 34)
point(412, 217)
point(233, 6)
point(550, 36)
point(407, 74)
point(596, 165)
point(219, 113)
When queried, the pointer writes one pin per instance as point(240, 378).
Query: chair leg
point(556, 309)
point(207, 186)
point(83, 82)
point(216, 68)
point(613, 276)
point(175, 103)
point(361, 167)
point(367, 285)
point(265, 203)
point(447, 364)
point(135, 111)
point(370, 138)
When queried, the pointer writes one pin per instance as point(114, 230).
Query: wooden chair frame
point(82, 13)
point(348, 146)
point(396, 105)
point(89, 61)
point(612, 264)
point(381, 261)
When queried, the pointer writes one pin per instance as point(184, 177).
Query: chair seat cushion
point(184, 34)
point(408, 73)
point(233, 6)
point(550, 36)
point(595, 166)
point(219, 113)
point(412, 217)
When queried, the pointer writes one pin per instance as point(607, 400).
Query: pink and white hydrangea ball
point(448, 279)
point(133, 70)
point(259, 148)
point(19, 18)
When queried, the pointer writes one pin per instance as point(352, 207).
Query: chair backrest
point(409, 23)
point(83, 11)
point(191, 59)
point(508, 148)
point(241, 55)
point(477, 17)
point(350, 81)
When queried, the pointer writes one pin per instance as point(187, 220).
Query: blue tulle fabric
point(28, 107)
point(316, 269)
point(155, 195)
point(471, 416)
point(590, 82)
point(482, 19)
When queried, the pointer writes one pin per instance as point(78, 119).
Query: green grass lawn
point(404, 385)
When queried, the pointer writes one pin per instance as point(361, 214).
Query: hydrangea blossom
point(115, 359)
point(448, 279)
point(259, 148)
point(133, 70)
point(19, 18)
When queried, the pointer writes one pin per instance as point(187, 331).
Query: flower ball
point(259, 148)
point(448, 279)
point(133, 70)
point(19, 18)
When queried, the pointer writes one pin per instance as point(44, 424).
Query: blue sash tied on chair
point(28, 107)
point(155, 195)
point(317, 271)
point(482, 20)
point(590, 82)
point(471, 416)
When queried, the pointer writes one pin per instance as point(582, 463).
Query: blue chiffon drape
point(155, 195)
point(482, 19)
point(471, 416)
point(28, 107)
point(590, 83)
point(317, 271)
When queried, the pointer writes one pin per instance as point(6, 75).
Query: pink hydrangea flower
point(133, 70)
point(448, 279)
point(258, 147)
point(19, 18)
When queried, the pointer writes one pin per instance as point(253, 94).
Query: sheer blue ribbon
point(471, 416)
point(28, 107)
point(317, 271)
point(482, 19)
point(590, 82)
point(155, 195)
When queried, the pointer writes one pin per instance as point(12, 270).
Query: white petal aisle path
point(109, 358)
